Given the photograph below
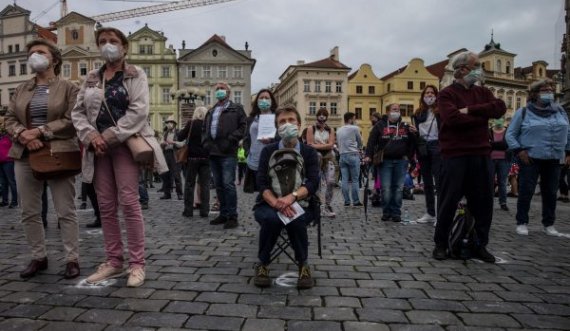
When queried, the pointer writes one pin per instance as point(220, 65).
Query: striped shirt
point(39, 106)
point(216, 117)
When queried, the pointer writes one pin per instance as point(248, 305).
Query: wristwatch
point(296, 195)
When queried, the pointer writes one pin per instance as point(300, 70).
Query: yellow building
point(147, 49)
point(404, 87)
point(364, 90)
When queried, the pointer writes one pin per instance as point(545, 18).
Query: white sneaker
point(522, 230)
point(104, 271)
point(551, 231)
point(427, 218)
point(328, 212)
point(136, 277)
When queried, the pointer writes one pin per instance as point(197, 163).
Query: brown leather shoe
point(34, 267)
point(71, 270)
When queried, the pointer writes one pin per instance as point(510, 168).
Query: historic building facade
point(364, 91)
point(215, 60)
point(319, 84)
point(147, 49)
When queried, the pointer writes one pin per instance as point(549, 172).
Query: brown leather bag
point(46, 164)
point(182, 152)
point(140, 149)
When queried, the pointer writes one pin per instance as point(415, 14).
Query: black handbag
point(249, 181)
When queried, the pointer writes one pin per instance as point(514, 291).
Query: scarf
point(547, 111)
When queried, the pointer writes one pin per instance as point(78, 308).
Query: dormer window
point(74, 34)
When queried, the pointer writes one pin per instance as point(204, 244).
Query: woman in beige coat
point(39, 113)
point(113, 105)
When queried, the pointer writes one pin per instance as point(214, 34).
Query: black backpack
point(462, 236)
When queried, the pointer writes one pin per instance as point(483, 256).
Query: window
point(66, 70)
point(370, 112)
point(11, 92)
point(82, 69)
point(307, 86)
point(322, 105)
point(208, 99)
point(97, 66)
point(222, 72)
point(540, 72)
point(410, 85)
point(17, 48)
point(358, 89)
point(499, 66)
point(191, 72)
point(238, 73)
point(518, 102)
point(406, 110)
point(334, 108)
point(508, 67)
point(317, 86)
point(74, 35)
point(145, 49)
point(338, 87)
point(165, 71)
point(237, 97)
point(147, 71)
point(23, 69)
point(509, 102)
point(388, 87)
point(328, 86)
point(312, 108)
point(10, 49)
point(12, 70)
point(207, 71)
point(165, 95)
point(422, 85)
point(358, 112)
point(371, 90)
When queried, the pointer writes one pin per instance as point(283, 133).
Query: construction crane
point(155, 9)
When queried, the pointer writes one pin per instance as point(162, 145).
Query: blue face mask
point(221, 94)
point(288, 132)
point(264, 104)
point(473, 76)
point(547, 97)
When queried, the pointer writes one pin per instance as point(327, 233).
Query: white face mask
point(170, 125)
point(394, 116)
point(38, 62)
point(111, 52)
point(429, 100)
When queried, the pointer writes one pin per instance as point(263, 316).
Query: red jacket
point(5, 145)
point(467, 134)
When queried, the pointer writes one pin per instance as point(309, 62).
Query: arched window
point(539, 72)
point(499, 66)
point(508, 67)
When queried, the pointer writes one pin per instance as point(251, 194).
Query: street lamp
point(186, 101)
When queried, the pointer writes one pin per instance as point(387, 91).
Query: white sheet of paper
point(266, 128)
point(298, 212)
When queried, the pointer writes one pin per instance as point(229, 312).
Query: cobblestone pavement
point(372, 276)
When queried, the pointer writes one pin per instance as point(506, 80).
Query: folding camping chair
point(283, 244)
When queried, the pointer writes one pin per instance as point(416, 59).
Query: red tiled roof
point(218, 39)
point(46, 34)
point(438, 69)
point(325, 63)
point(352, 75)
point(394, 73)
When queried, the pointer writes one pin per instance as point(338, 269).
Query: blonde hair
point(199, 113)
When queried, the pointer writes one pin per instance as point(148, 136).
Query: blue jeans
point(549, 172)
point(393, 173)
point(224, 173)
point(350, 168)
point(8, 181)
point(501, 170)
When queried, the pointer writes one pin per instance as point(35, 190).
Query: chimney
point(223, 38)
point(334, 53)
point(300, 62)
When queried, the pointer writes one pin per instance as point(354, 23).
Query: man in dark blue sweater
point(465, 109)
point(269, 203)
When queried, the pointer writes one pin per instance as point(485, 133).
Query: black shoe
point(504, 207)
point(83, 205)
point(187, 213)
point(204, 215)
point(219, 220)
point(261, 278)
point(483, 254)
point(13, 205)
point(180, 197)
point(231, 223)
point(94, 224)
point(396, 219)
point(305, 280)
point(3, 204)
point(34, 267)
point(71, 270)
point(144, 205)
point(160, 190)
point(166, 197)
point(386, 218)
point(347, 204)
point(440, 253)
point(358, 204)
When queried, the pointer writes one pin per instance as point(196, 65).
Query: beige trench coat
point(88, 106)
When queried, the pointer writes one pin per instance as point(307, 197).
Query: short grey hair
point(534, 88)
point(460, 60)
point(199, 113)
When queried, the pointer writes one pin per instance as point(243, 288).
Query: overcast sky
point(384, 33)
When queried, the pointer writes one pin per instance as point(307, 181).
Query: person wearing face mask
point(466, 170)
point(269, 202)
point(224, 126)
point(39, 114)
point(112, 106)
point(397, 140)
point(501, 159)
point(349, 146)
point(169, 146)
point(264, 103)
point(426, 119)
point(539, 136)
point(322, 137)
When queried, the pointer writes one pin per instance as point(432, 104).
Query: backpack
point(462, 236)
point(286, 171)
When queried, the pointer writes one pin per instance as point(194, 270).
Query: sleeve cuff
point(110, 137)
point(47, 134)
point(17, 133)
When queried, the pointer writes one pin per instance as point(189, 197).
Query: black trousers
point(469, 176)
point(271, 227)
point(197, 169)
point(173, 173)
point(429, 168)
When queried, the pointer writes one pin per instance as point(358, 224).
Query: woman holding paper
point(264, 104)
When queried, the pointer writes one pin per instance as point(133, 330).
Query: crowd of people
point(458, 138)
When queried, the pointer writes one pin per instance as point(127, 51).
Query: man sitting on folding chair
point(287, 176)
